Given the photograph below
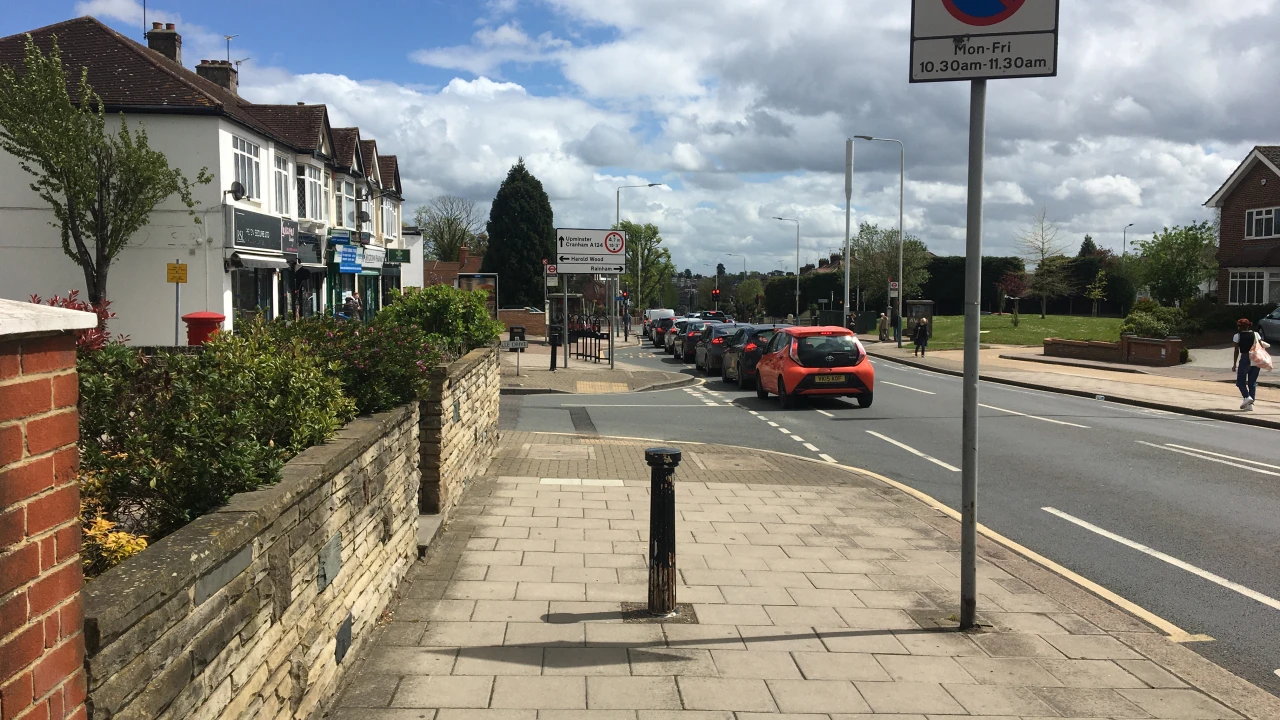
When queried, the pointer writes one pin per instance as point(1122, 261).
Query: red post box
point(202, 325)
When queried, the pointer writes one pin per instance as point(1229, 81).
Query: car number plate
point(828, 379)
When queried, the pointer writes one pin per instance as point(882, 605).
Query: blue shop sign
point(349, 260)
point(339, 237)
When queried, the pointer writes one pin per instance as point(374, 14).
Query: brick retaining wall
point(533, 323)
point(1083, 350)
point(249, 611)
point(1131, 350)
point(459, 430)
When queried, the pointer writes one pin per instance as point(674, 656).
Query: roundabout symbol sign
point(982, 12)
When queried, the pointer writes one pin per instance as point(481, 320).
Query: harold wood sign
point(590, 252)
point(983, 39)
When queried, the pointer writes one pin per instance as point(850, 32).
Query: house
point(1249, 230)
point(298, 213)
point(438, 272)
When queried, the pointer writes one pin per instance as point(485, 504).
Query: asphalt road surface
point(1178, 514)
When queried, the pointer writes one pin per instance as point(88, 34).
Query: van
point(651, 317)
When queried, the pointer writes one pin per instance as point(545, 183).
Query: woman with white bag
point(1249, 359)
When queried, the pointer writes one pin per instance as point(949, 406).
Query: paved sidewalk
point(820, 593)
point(1219, 372)
point(1184, 395)
point(582, 376)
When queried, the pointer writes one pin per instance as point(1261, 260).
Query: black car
point(710, 348)
point(716, 315)
point(742, 352)
point(688, 342)
point(660, 330)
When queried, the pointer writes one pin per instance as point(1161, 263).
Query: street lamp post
point(902, 178)
point(797, 222)
point(744, 263)
point(1124, 240)
point(617, 211)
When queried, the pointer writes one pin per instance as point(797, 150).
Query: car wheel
point(784, 400)
point(743, 383)
point(864, 400)
point(760, 391)
point(724, 374)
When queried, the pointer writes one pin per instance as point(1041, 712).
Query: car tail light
point(750, 346)
point(795, 346)
point(717, 341)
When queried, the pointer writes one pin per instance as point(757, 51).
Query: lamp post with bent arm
point(902, 178)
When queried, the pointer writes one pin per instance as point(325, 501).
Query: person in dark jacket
point(1247, 374)
point(921, 336)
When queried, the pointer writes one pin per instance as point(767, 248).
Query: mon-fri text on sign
point(590, 252)
point(983, 39)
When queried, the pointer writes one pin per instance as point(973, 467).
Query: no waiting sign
point(983, 39)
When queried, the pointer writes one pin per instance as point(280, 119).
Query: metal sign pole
point(613, 314)
point(177, 306)
point(565, 340)
point(848, 199)
point(972, 320)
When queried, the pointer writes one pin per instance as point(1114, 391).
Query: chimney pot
point(220, 72)
point(156, 26)
point(169, 26)
point(165, 41)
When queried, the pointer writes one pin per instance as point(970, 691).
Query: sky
point(741, 108)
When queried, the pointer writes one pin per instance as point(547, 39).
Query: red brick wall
point(1082, 350)
point(1249, 194)
point(533, 323)
point(41, 610)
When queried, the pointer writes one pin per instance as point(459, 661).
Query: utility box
point(915, 310)
point(516, 332)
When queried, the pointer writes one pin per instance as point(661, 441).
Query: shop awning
point(260, 262)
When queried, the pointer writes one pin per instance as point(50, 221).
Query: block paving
point(820, 593)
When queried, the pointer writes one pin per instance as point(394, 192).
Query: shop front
point(391, 273)
point(309, 277)
point(256, 262)
point(370, 280)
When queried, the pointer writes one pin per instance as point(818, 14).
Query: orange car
point(815, 361)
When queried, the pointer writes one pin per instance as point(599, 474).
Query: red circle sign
point(613, 242)
point(982, 12)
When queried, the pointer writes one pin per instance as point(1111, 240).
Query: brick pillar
point(41, 612)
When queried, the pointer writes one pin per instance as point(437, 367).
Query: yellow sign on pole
point(176, 272)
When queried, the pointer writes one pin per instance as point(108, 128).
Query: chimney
point(220, 72)
point(462, 258)
point(164, 39)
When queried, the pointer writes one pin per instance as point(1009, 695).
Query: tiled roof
point(128, 75)
point(389, 167)
point(344, 148)
point(301, 126)
point(1271, 152)
point(435, 272)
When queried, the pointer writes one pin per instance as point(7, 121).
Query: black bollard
point(662, 529)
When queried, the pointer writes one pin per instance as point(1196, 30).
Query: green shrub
point(1144, 324)
point(1211, 317)
point(1184, 356)
point(171, 437)
point(455, 321)
point(1149, 319)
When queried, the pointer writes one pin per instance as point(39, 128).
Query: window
point(388, 218)
point(245, 156)
point(324, 201)
point(348, 205)
point(1261, 223)
point(1246, 287)
point(310, 205)
point(283, 187)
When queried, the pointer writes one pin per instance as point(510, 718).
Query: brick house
point(1249, 236)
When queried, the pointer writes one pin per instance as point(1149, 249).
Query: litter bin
point(202, 325)
point(516, 332)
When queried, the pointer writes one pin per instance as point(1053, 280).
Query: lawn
point(999, 330)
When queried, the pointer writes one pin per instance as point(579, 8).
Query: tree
point(747, 298)
point(1088, 248)
point(719, 269)
point(876, 259)
point(448, 223)
point(1176, 260)
point(102, 184)
point(1013, 285)
point(644, 242)
point(1040, 239)
point(522, 234)
point(1051, 279)
point(1097, 290)
point(688, 274)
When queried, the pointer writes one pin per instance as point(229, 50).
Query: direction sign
point(983, 39)
point(590, 252)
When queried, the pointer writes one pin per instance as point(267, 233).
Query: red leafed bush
point(93, 338)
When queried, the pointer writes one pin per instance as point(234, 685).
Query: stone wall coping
point(1083, 343)
point(464, 364)
point(27, 318)
point(127, 593)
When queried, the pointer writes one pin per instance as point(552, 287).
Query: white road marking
point(797, 438)
point(1198, 454)
point(907, 387)
point(753, 412)
point(827, 458)
point(1211, 577)
point(1034, 417)
point(772, 423)
point(604, 405)
point(1230, 457)
point(824, 412)
point(914, 451)
point(810, 447)
point(783, 430)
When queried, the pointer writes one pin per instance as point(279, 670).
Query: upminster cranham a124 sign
point(582, 251)
point(983, 39)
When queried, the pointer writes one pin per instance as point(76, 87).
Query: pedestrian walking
point(1247, 360)
point(884, 328)
point(921, 336)
point(896, 322)
point(626, 326)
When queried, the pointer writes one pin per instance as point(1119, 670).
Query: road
point(1079, 481)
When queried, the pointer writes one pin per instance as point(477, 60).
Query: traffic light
point(715, 294)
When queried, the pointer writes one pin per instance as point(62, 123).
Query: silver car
point(1269, 327)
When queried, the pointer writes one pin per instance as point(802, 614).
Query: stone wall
point(249, 611)
point(459, 428)
point(41, 643)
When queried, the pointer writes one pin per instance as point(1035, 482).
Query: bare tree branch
point(448, 223)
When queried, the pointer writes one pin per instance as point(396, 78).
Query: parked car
point(675, 334)
point(824, 360)
point(709, 350)
point(742, 352)
point(1269, 327)
point(660, 328)
point(685, 345)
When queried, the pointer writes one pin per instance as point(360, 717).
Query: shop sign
point(255, 230)
point(339, 237)
point(288, 236)
point(374, 257)
point(398, 255)
point(349, 258)
point(309, 250)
